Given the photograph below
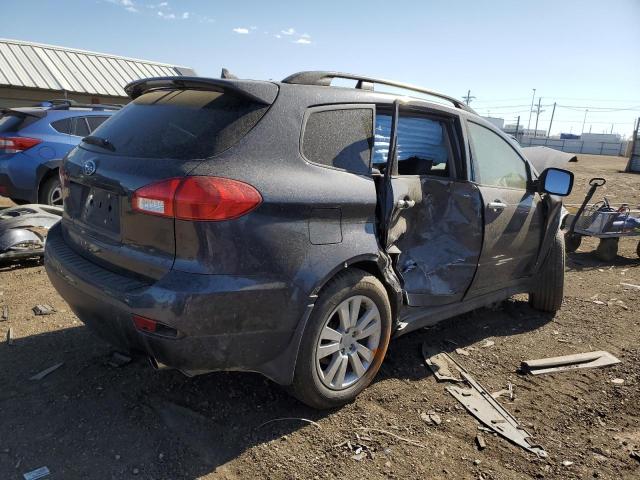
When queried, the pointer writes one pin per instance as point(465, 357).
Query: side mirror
point(556, 181)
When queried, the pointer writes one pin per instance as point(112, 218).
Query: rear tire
point(607, 249)
point(326, 380)
point(51, 192)
point(572, 242)
point(549, 290)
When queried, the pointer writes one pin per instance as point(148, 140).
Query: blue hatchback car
point(33, 141)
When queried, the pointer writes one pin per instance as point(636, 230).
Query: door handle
point(404, 204)
point(497, 205)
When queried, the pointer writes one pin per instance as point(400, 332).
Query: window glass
point(80, 127)
point(497, 162)
point(340, 138)
point(180, 124)
point(423, 146)
point(62, 126)
point(95, 122)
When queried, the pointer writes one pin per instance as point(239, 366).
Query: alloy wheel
point(348, 342)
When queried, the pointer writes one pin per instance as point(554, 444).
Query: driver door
point(513, 213)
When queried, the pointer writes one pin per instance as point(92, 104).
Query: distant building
point(569, 136)
point(527, 132)
point(32, 72)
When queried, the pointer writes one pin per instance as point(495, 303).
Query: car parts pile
point(23, 230)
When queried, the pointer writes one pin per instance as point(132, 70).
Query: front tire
point(344, 342)
point(549, 289)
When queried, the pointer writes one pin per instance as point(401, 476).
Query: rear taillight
point(197, 198)
point(17, 144)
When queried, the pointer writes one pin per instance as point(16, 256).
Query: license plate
point(101, 209)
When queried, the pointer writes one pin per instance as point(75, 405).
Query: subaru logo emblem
point(89, 167)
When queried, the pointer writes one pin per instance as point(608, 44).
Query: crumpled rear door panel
point(439, 239)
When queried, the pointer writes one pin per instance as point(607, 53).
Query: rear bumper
point(225, 322)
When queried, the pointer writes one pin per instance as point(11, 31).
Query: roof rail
point(92, 106)
point(323, 78)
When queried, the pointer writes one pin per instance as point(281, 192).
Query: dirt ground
point(89, 419)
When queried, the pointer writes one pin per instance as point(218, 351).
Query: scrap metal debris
point(569, 362)
point(507, 391)
point(488, 411)
point(23, 230)
point(36, 474)
point(438, 363)
point(479, 402)
point(630, 285)
point(44, 373)
point(43, 309)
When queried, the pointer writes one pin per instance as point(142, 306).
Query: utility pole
point(468, 98)
point(517, 126)
point(551, 122)
point(585, 119)
point(538, 111)
point(611, 129)
point(533, 97)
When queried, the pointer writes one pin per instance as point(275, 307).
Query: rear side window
point(63, 126)
point(340, 138)
point(12, 123)
point(423, 145)
point(95, 122)
point(497, 162)
point(180, 124)
point(80, 127)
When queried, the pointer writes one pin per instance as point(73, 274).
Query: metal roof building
point(32, 72)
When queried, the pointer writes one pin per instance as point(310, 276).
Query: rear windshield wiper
point(100, 142)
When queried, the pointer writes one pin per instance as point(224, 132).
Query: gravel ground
point(89, 419)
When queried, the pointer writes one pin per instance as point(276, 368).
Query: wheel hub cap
point(348, 342)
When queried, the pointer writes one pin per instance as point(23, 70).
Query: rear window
point(340, 139)
point(180, 124)
point(11, 122)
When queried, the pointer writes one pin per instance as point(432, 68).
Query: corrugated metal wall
point(24, 64)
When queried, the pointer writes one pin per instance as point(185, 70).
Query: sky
point(578, 54)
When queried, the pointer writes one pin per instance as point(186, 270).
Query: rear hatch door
point(164, 133)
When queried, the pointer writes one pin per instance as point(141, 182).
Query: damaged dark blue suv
point(293, 228)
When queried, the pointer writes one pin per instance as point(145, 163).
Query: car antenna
point(227, 75)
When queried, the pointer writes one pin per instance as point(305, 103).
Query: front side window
point(340, 138)
point(497, 162)
point(423, 145)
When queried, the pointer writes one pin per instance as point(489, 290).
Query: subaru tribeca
point(293, 228)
